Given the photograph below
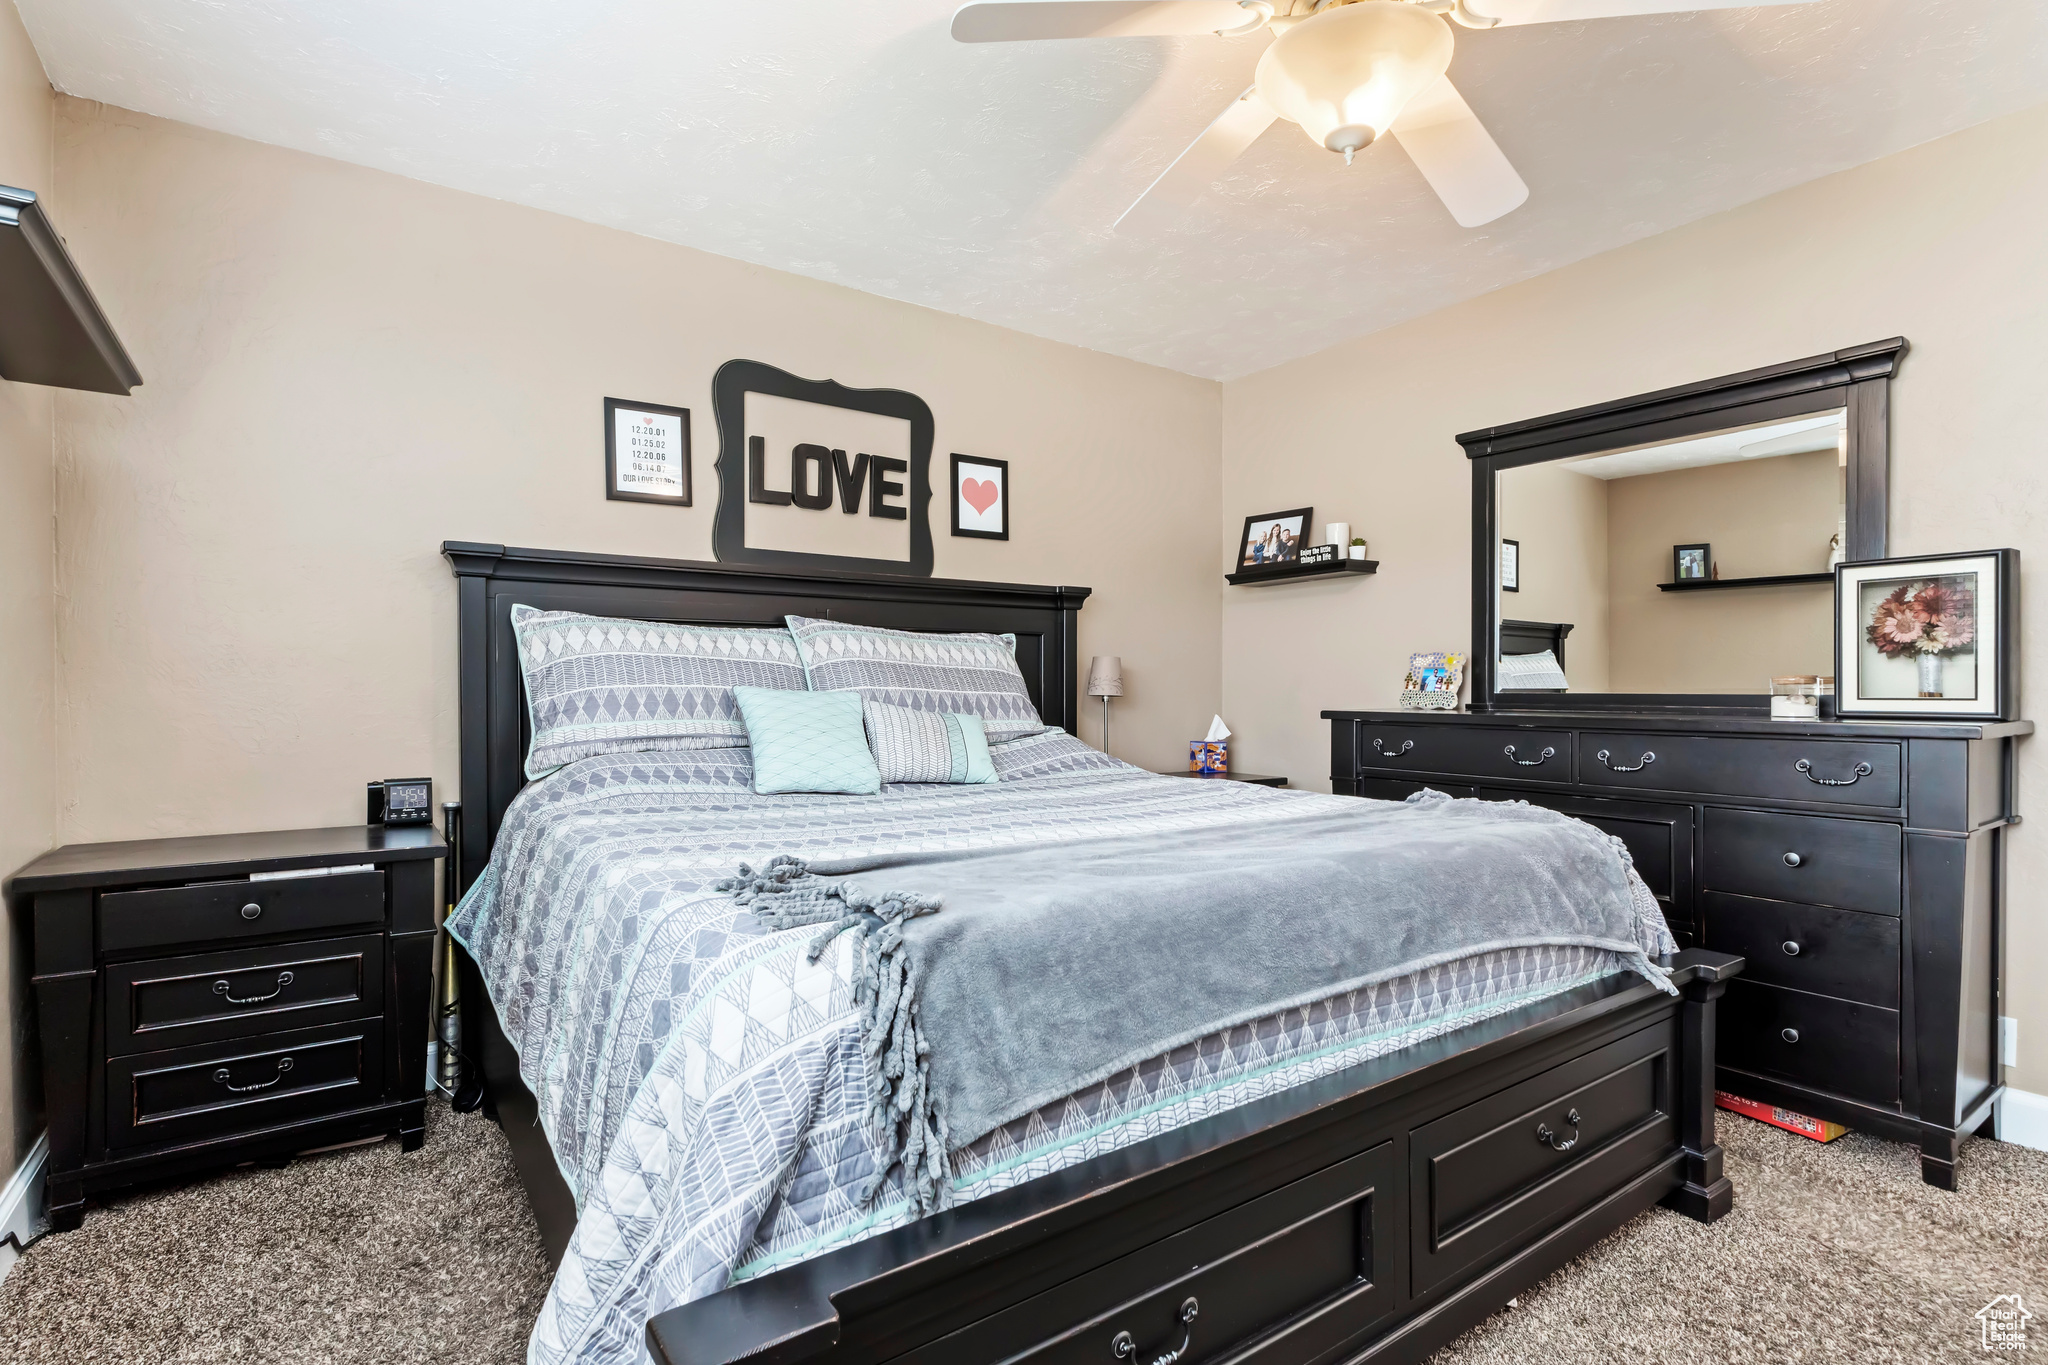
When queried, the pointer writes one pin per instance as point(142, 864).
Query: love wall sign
point(814, 475)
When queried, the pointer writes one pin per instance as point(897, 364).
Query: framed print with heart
point(981, 497)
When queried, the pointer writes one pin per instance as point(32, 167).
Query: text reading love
point(814, 471)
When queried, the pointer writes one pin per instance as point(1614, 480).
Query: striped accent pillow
point(967, 674)
point(601, 685)
point(927, 746)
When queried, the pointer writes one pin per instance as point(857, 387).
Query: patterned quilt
point(703, 1087)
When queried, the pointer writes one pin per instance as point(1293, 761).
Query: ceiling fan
point(1346, 71)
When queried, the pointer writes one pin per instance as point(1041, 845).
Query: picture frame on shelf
point(1272, 540)
point(1510, 565)
point(1692, 563)
point(981, 497)
point(646, 453)
point(1928, 637)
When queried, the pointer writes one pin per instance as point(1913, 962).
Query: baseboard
point(21, 1204)
point(2023, 1119)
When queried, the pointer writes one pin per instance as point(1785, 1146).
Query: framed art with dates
point(981, 497)
point(1931, 637)
point(646, 452)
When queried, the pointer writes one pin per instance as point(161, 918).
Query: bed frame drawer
point(1497, 1172)
point(218, 1089)
point(1843, 953)
point(1836, 1045)
point(1289, 1276)
point(178, 915)
point(1728, 765)
point(1807, 859)
point(168, 1002)
point(1472, 751)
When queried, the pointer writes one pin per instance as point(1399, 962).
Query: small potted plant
point(1357, 547)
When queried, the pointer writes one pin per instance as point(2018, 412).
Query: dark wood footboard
point(1372, 1215)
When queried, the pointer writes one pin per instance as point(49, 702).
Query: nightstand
point(1256, 779)
point(198, 1011)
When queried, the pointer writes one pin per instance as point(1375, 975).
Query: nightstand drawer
point(1809, 859)
point(170, 1002)
point(175, 916)
point(220, 1089)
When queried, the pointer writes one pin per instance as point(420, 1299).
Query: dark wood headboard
point(1533, 637)
point(492, 579)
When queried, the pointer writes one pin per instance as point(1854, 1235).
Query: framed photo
point(981, 497)
point(1931, 637)
point(646, 452)
point(1691, 563)
point(1511, 566)
point(1272, 539)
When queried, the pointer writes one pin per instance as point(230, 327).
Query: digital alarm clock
point(402, 801)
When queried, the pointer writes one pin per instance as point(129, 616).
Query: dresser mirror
point(1676, 550)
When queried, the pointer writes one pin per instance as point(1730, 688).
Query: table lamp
point(1105, 680)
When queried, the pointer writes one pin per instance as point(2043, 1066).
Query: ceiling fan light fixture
point(1345, 74)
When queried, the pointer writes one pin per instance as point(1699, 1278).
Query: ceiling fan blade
point(1457, 156)
point(1507, 12)
point(1010, 21)
point(1209, 155)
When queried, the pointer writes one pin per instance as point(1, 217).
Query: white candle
point(1336, 533)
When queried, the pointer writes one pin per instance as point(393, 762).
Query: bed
point(1356, 1179)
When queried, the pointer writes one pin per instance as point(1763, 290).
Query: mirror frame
point(1857, 380)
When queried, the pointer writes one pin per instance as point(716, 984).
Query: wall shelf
point(52, 330)
point(1291, 574)
point(1702, 584)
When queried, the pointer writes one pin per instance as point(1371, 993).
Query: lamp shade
point(1346, 74)
point(1106, 676)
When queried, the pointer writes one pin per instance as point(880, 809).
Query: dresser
point(209, 1001)
point(1858, 866)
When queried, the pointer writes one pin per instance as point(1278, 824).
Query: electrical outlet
point(2008, 1040)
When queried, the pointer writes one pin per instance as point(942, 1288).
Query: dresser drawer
point(1285, 1277)
point(1811, 859)
point(1658, 836)
point(1391, 789)
point(169, 1002)
point(1738, 766)
point(1843, 953)
point(220, 1089)
point(1834, 1045)
point(178, 915)
point(1466, 750)
point(1502, 1169)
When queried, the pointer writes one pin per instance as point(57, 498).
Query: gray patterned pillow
point(969, 673)
point(600, 685)
point(927, 746)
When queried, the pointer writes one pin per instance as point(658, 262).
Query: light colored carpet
point(1833, 1253)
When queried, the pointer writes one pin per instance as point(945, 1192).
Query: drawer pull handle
point(284, 1064)
point(1646, 760)
point(1125, 1346)
point(1793, 860)
point(1790, 1035)
point(1379, 748)
point(1861, 770)
point(1535, 762)
point(1557, 1142)
point(251, 910)
point(221, 989)
point(1791, 948)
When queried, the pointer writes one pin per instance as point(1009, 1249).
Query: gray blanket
point(1055, 966)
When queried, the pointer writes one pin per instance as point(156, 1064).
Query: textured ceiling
point(854, 141)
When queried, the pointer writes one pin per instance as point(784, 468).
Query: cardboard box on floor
point(1820, 1130)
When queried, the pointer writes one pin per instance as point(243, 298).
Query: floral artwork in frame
point(1929, 637)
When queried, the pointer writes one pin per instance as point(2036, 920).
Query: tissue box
point(1208, 756)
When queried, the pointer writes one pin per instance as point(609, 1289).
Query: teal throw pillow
point(807, 742)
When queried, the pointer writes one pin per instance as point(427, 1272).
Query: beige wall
point(27, 541)
point(346, 368)
point(1941, 243)
point(1560, 519)
point(1771, 516)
